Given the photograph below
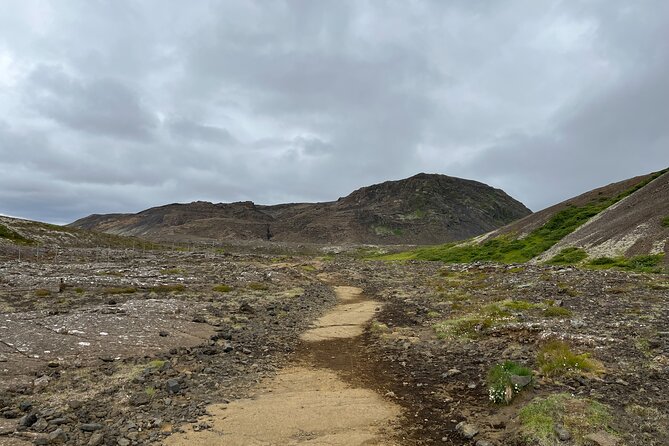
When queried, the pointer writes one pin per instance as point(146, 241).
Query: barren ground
point(146, 347)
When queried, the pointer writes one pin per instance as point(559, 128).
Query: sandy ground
point(305, 404)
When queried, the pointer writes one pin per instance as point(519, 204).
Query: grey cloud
point(98, 106)
point(125, 105)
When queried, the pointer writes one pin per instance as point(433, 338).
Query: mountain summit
point(422, 209)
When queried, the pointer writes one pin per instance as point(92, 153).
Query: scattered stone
point(53, 364)
point(163, 334)
point(483, 443)
point(42, 381)
point(451, 372)
point(91, 427)
point(562, 433)
point(123, 441)
point(58, 437)
point(173, 385)
point(28, 420)
point(139, 399)
point(602, 439)
point(58, 421)
point(3, 358)
point(96, 439)
point(520, 380)
point(25, 406)
point(467, 430)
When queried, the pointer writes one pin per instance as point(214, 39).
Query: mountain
point(606, 226)
point(423, 209)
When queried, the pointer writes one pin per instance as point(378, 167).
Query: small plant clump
point(506, 380)
point(578, 416)
point(257, 286)
point(222, 288)
point(646, 264)
point(665, 221)
point(568, 256)
point(42, 292)
point(556, 359)
point(553, 311)
point(120, 290)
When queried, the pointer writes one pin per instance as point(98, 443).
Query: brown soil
point(307, 403)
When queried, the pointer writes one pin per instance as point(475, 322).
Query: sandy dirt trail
point(307, 403)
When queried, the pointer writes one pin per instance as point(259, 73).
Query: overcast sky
point(116, 106)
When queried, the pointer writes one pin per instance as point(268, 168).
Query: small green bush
point(568, 256)
point(556, 358)
point(120, 290)
point(506, 380)
point(665, 221)
point(222, 288)
point(257, 286)
point(42, 292)
point(644, 263)
point(553, 311)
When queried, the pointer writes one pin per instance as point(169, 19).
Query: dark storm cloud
point(118, 106)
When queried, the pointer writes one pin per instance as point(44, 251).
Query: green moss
point(556, 358)
point(120, 290)
point(14, 236)
point(568, 256)
point(646, 263)
point(665, 221)
point(386, 231)
point(42, 292)
point(557, 312)
point(257, 286)
point(222, 288)
point(507, 249)
point(579, 416)
point(501, 388)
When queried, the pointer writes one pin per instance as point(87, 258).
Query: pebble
point(467, 430)
point(562, 433)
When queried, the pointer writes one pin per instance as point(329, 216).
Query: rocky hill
point(624, 224)
point(423, 209)
point(19, 233)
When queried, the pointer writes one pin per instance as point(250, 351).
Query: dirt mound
point(418, 210)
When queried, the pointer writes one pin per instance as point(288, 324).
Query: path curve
point(303, 404)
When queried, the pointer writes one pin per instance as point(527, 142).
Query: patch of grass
point(14, 236)
point(173, 288)
point(556, 359)
point(507, 249)
point(378, 327)
point(506, 380)
point(172, 271)
point(568, 256)
point(644, 264)
point(665, 222)
point(433, 315)
point(42, 292)
point(150, 391)
point(257, 286)
point(386, 231)
point(518, 305)
point(79, 290)
point(222, 288)
point(563, 288)
point(120, 290)
point(156, 363)
point(579, 416)
point(553, 311)
point(469, 326)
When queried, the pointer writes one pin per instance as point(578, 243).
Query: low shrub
point(506, 380)
point(556, 358)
